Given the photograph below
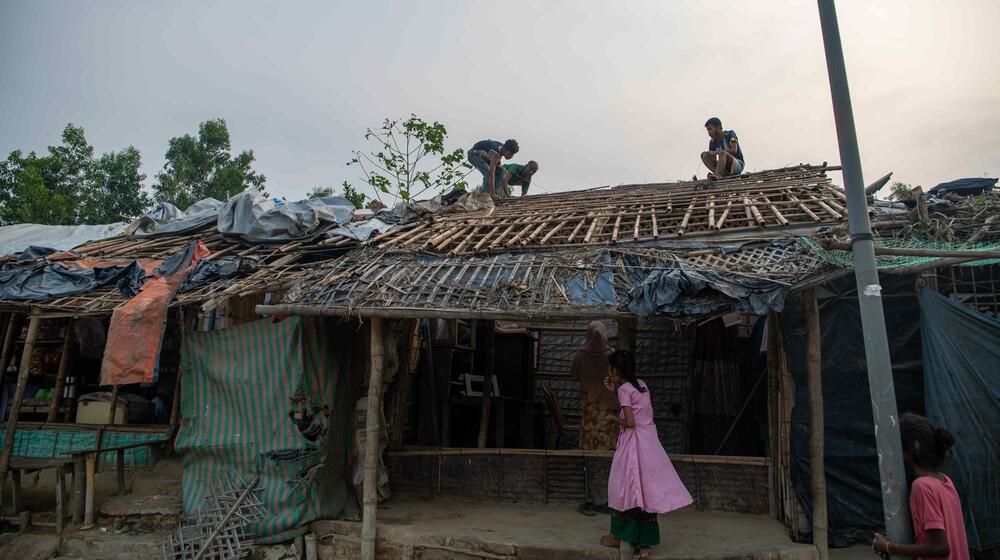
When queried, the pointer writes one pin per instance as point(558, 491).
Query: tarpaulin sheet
point(252, 217)
point(962, 392)
point(676, 288)
point(167, 219)
point(854, 499)
point(207, 271)
point(18, 237)
point(137, 325)
point(239, 388)
point(56, 280)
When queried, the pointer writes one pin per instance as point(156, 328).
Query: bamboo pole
point(372, 429)
point(916, 252)
point(61, 374)
point(22, 382)
point(484, 411)
point(815, 386)
point(13, 325)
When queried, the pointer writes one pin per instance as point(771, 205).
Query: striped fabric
point(237, 396)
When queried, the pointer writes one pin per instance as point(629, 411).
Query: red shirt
point(934, 504)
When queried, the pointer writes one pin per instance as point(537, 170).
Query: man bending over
point(724, 157)
point(485, 156)
point(518, 175)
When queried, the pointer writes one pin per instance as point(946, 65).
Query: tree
point(115, 189)
point(69, 186)
point(899, 190)
point(202, 167)
point(409, 159)
point(348, 191)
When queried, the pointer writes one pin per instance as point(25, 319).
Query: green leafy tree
point(320, 192)
point(348, 191)
point(70, 186)
point(203, 167)
point(899, 190)
point(408, 159)
point(114, 191)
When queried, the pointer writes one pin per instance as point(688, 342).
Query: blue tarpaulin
point(961, 351)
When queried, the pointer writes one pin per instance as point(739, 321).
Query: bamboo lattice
point(773, 200)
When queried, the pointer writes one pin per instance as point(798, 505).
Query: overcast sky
point(600, 93)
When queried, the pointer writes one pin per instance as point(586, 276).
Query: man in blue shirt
point(485, 156)
point(724, 157)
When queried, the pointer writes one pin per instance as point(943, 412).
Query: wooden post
point(120, 470)
point(57, 393)
point(772, 416)
point(372, 432)
point(13, 325)
point(88, 500)
point(484, 411)
point(79, 490)
point(626, 334)
point(15, 409)
point(175, 401)
point(60, 500)
point(114, 404)
point(815, 385)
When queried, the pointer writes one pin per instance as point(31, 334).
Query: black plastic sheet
point(854, 499)
point(223, 267)
point(962, 387)
point(55, 280)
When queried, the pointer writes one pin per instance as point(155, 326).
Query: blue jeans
point(483, 166)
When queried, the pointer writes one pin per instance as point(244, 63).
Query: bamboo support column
point(372, 431)
point(15, 409)
point(57, 393)
point(816, 445)
point(484, 411)
point(13, 325)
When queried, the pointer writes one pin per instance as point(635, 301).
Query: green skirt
point(636, 527)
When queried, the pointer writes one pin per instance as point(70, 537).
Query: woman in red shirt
point(938, 526)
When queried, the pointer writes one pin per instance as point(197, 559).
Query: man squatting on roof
point(724, 157)
point(485, 156)
point(515, 174)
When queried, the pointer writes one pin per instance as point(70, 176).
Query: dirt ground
point(553, 531)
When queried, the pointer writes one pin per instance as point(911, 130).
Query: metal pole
point(880, 384)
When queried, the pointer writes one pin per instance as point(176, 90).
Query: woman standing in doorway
point(643, 482)
point(590, 367)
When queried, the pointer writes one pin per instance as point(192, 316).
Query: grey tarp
point(676, 288)
point(252, 217)
point(18, 237)
point(55, 280)
point(167, 219)
point(362, 230)
point(962, 393)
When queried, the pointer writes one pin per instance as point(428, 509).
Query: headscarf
point(597, 339)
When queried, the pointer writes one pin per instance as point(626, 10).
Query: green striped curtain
point(238, 386)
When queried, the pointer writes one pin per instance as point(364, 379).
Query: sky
point(599, 93)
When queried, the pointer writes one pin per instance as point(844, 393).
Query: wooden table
point(83, 490)
point(62, 465)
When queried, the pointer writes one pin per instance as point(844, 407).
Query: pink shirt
point(934, 504)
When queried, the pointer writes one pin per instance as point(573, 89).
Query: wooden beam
point(814, 379)
point(438, 313)
point(13, 326)
point(61, 374)
point(915, 252)
point(15, 409)
point(484, 411)
point(372, 432)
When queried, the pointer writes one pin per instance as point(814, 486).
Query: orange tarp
point(136, 331)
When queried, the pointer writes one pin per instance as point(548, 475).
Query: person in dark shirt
point(485, 156)
point(724, 157)
point(515, 174)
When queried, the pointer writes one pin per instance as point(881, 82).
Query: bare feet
point(713, 177)
point(608, 540)
point(641, 554)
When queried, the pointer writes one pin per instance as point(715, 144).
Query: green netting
point(844, 259)
point(45, 443)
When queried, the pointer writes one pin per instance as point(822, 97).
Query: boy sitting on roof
point(485, 156)
point(724, 157)
point(515, 174)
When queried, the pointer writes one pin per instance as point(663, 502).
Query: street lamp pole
point(880, 384)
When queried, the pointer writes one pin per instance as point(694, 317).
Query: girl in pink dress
point(938, 525)
point(643, 482)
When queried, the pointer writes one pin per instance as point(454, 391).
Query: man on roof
point(485, 156)
point(724, 157)
point(517, 175)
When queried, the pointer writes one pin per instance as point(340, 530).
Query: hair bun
point(944, 439)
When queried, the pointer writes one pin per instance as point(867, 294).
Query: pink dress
point(641, 473)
